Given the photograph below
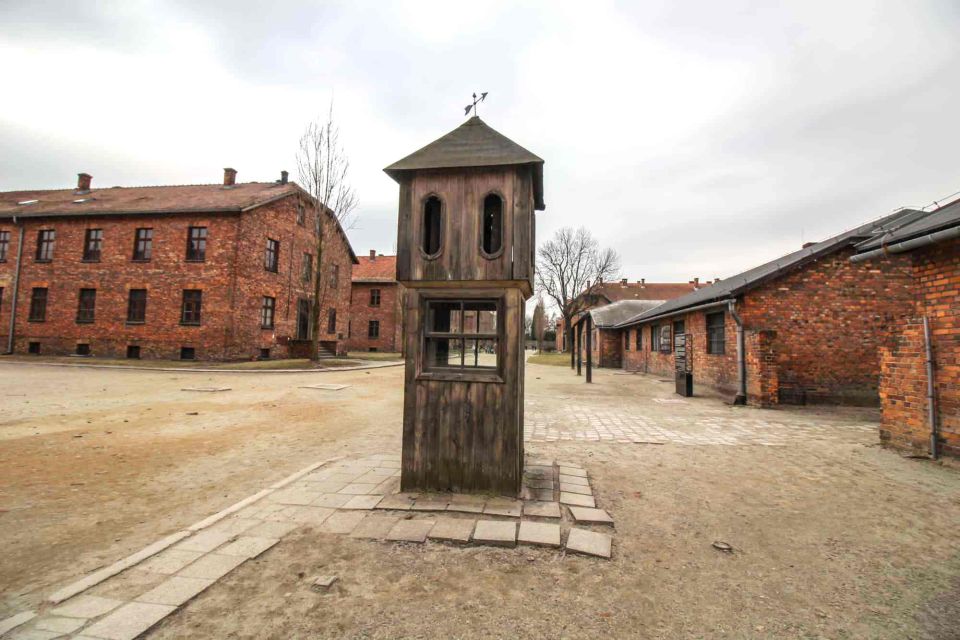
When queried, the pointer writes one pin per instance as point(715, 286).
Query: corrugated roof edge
point(756, 276)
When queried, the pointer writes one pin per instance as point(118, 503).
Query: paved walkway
point(643, 409)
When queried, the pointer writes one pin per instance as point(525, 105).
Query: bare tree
point(569, 266)
point(323, 170)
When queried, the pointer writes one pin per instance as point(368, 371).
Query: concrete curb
point(190, 370)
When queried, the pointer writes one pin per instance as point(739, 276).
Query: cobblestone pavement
point(643, 408)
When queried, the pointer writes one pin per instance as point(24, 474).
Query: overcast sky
point(696, 138)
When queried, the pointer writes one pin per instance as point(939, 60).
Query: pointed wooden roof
point(472, 144)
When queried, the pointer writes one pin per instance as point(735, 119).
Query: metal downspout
point(16, 286)
point(931, 398)
point(741, 397)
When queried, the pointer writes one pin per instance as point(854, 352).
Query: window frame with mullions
point(92, 245)
point(143, 244)
point(477, 373)
point(196, 244)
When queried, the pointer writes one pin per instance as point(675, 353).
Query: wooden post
point(589, 348)
point(568, 338)
point(578, 342)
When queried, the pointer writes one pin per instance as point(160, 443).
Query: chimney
point(373, 254)
point(807, 244)
point(229, 177)
point(696, 282)
point(623, 281)
point(83, 182)
point(284, 177)
point(643, 281)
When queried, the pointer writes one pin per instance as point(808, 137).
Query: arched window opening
point(492, 223)
point(431, 226)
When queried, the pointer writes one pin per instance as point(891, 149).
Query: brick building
point(606, 340)
point(212, 272)
point(809, 326)
point(376, 305)
point(604, 293)
point(920, 398)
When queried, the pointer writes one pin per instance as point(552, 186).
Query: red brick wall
point(388, 314)
point(230, 324)
point(821, 326)
point(606, 346)
point(903, 386)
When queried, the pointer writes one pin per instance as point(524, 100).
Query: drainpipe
point(741, 397)
point(931, 399)
point(16, 286)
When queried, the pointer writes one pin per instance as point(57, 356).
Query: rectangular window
point(373, 329)
point(192, 304)
point(332, 321)
point(264, 354)
point(301, 214)
point(461, 334)
point(639, 338)
point(306, 269)
point(626, 340)
point(271, 259)
point(303, 319)
point(188, 353)
point(4, 245)
point(654, 337)
point(716, 333)
point(137, 306)
point(196, 244)
point(133, 351)
point(38, 305)
point(374, 297)
point(666, 344)
point(83, 349)
point(92, 242)
point(33, 348)
point(334, 276)
point(45, 241)
point(267, 310)
point(86, 304)
point(143, 244)
point(678, 330)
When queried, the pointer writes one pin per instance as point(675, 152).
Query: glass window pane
point(443, 317)
point(480, 354)
point(479, 317)
point(442, 352)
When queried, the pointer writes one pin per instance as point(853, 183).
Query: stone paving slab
point(573, 471)
point(212, 566)
point(358, 489)
point(410, 531)
point(589, 543)
point(169, 561)
point(452, 530)
point(501, 533)
point(175, 591)
point(540, 495)
point(397, 502)
point(86, 607)
point(544, 534)
point(577, 500)
point(34, 634)
point(580, 480)
point(331, 500)
point(431, 503)
point(591, 516)
point(129, 621)
point(539, 483)
point(342, 522)
point(542, 509)
point(271, 529)
point(14, 621)
point(576, 488)
point(59, 625)
point(309, 515)
point(298, 495)
point(235, 526)
point(504, 507)
point(362, 502)
point(325, 486)
point(205, 541)
point(326, 387)
point(466, 507)
point(247, 546)
point(375, 527)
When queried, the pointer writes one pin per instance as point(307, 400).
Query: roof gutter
point(909, 245)
point(708, 305)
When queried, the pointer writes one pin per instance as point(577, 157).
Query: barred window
point(137, 305)
point(373, 329)
point(92, 242)
point(332, 321)
point(45, 241)
point(86, 305)
point(271, 259)
point(716, 333)
point(143, 244)
point(192, 305)
point(461, 334)
point(38, 305)
point(196, 244)
point(4, 245)
point(374, 297)
point(267, 310)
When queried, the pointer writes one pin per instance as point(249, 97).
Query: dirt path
point(833, 536)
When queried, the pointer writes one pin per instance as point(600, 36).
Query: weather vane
point(476, 101)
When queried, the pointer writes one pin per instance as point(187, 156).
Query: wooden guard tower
point(465, 252)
